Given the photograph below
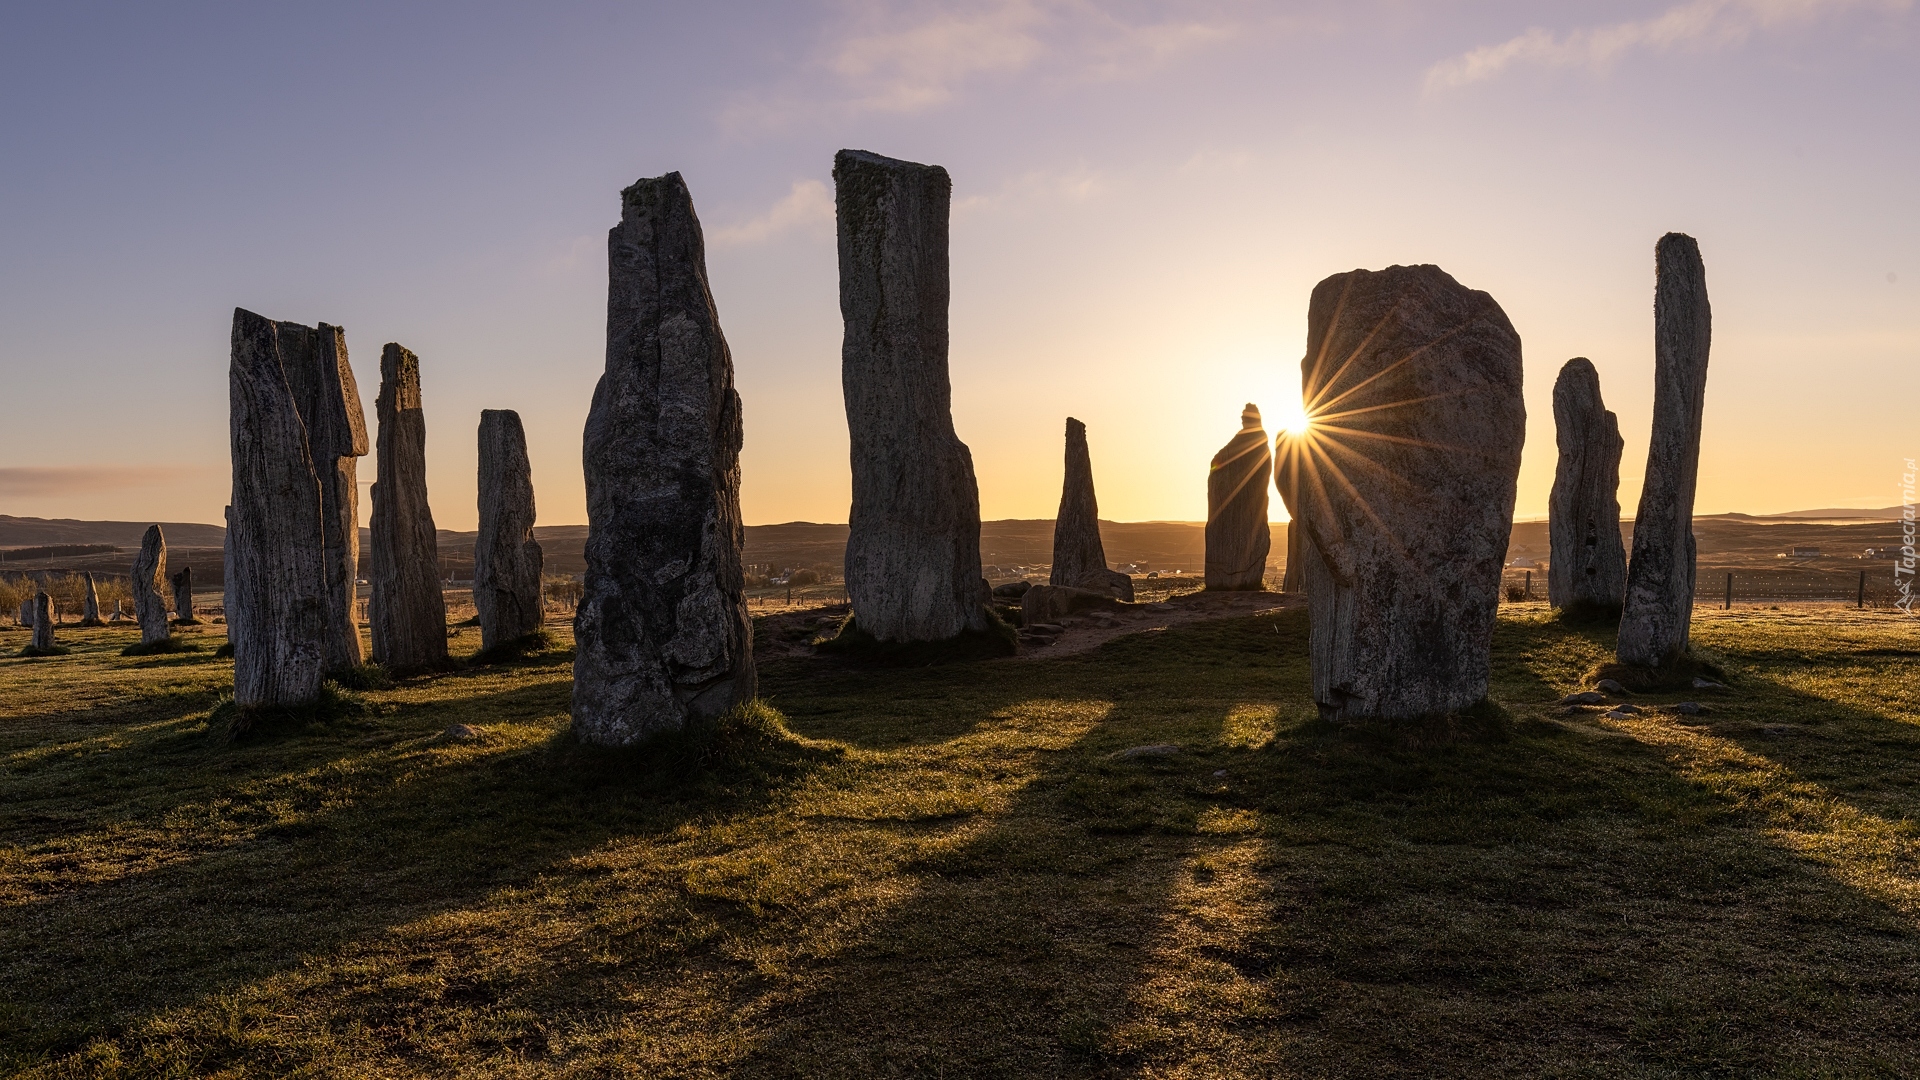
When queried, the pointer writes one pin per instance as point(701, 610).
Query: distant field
point(946, 872)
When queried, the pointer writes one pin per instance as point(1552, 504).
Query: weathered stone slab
point(315, 361)
point(506, 559)
point(42, 622)
point(662, 635)
point(149, 587)
point(1408, 478)
point(1238, 538)
point(182, 582)
point(1659, 600)
point(913, 553)
point(1289, 458)
point(1050, 603)
point(1588, 565)
point(91, 614)
point(407, 609)
point(276, 584)
point(1079, 559)
point(26, 612)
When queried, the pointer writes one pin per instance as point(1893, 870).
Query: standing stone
point(1238, 538)
point(1659, 602)
point(42, 622)
point(913, 550)
point(183, 597)
point(315, 360)
point(1079, 560)
point(407, 608)
point(662, 635)
point(276, 584)
point(506, 560)
point(1587, 570)
point(26, 612)
point(90, 616)
point(1408, 478)
point(149, 588)
point(1289, 465)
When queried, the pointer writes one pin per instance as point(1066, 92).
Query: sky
point(1145, 194)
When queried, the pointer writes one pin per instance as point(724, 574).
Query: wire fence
point(1864, 588)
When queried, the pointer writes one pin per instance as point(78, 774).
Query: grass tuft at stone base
point(507, 651)
point(232, 723)
point(856, 644)
point(57, 650)
point(1678, 675)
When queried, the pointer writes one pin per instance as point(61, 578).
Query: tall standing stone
point(407, 609)
point(90, 615)
point(1289, 465)
point(182, 582)
point(1079, 559)
point(662, 635)
point(42, 622)
point(913, 550)
point(276, 582)
point(315, 360)
point(1587, 570)
point(1408, 477)
point(506, 559)
point(1659, 602)
point(1238, 537)
point(149, 587)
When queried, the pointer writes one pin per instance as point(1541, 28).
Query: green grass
point(944, 871)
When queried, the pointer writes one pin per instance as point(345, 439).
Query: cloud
point(1698, 24)
point(85, 479)
point(903, 57)
point(808, 203)
point(1041, 186)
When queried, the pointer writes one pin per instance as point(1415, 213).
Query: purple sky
point(1145, 194)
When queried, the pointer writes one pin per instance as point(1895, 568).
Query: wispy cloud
point(902, 56)
point(85, 479)
point(1049, 186)
point(1698, 24)
point(808, 203)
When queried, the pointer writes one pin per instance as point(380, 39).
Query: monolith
point(1659, 600)
point(315, 360)
point(913, 551)
point(1238, 538)
point(276, 583)
point(1289, 464)
point(182, 582)
point(407, 611)
point(90, 615)
point(1587, 567)
point(26, 612)
point(1408, 484)
point(42, 622)
point(149, 587)
point(1079, 559)
point(506, 559)
point(661, 634)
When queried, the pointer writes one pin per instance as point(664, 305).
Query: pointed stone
point(1238, 538)
point(42, 622)
point(407, 609)
point(149, 587)
point(276, 583)
point(1409, 506)
point(662, 635)
point(913, 549)
point(506, 559)
point(182, 582)
point(1587, 569)
point(315, 360)
point(1079, 559)
point(91, 614)
point(1659, 601)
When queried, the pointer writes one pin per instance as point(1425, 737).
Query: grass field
point(946, 872)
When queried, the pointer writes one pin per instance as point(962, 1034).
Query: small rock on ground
point(462, 733)
point(1690, 708)
point(1707, 684)
point(1584, 697)
point(1610, 686)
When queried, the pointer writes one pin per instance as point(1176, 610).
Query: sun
point(1293, 419)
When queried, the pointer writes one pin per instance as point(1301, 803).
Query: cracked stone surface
point(1588, 564)
point(407, 610)
point(506, 558)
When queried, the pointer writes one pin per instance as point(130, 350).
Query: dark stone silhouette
point(1659, 601)
point(1238, 538)
point(1587, 570)
point(149, 587)
point(1289, 465)
point(91, 614)
point(182, 582)
point(913, 554)
point(407, 611)
point(662, 635)
point(1079, 560)
point(315, 361)
point(506, 559)
point(42, 623)
point(276, 584)
point(1409, 496)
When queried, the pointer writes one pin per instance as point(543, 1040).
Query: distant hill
point(1890, 513)
point(31, 532)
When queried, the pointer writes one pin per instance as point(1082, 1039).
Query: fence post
point(1529, 584)
point(1860, 600)
point(1728, 606)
